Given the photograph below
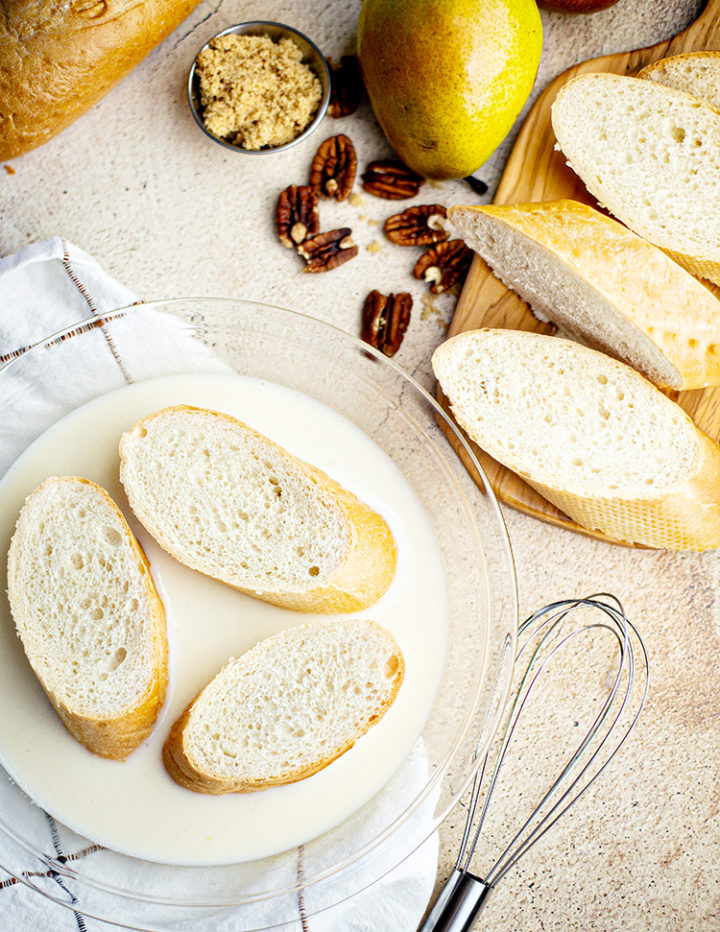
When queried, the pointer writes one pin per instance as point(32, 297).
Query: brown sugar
point(255, 92)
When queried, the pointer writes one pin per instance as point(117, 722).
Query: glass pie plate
point(338, 371)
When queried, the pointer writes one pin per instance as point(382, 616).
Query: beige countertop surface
point(168, 213)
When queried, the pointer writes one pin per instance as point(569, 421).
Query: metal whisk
point(541, 637)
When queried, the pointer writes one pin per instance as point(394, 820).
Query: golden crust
point(678, 314)
point(688, 519)
point(58, 60)
point(180, 766)
point(371, 558)
point(117, 737)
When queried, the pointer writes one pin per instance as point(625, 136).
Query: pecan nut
point(332, 173)
point(385, 319)
point(443, 265)
point(391, 179)
point(422, 225)
point(326, 251)
point(296, 215)
point(346, 87)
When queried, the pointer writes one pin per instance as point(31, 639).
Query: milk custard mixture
point(133, 806)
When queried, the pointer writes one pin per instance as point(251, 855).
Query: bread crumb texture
point(566, 416)
point(287, 708)
point(256, 92)
point(81, 597)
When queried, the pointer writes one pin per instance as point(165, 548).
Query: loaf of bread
point(602, 284)
point(651, 155)
point(695, 73)
point(227, 501)
point(589, 433)
point(88, 614)
point(58, 59)
point(285, 709)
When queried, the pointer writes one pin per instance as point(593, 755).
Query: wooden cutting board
point(536, 172)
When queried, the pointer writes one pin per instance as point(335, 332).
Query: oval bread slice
point(696, 73)
point(651, 155)
point(602, 284)
point(88, 614)
point(589, 433)
point(286, 709)
point(227, 501)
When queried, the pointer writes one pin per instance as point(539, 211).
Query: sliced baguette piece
point(589, 433)
point(601, 284)
point(695, 73)
point(88, 614)
point(651, 155)
point(287, 708)
point(227, 501)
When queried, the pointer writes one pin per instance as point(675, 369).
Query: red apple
point(575, 6)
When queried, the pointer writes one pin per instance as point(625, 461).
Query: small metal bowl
point(312, 56)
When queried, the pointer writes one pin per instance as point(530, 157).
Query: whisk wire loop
point(543, 635)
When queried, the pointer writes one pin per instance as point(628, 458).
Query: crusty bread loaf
point(227, 501)
point(286, 709)
point(602, 284)
point(88, 614)
point(59, 58)
point(695, 73)
point(589, 433)
point(651, 155)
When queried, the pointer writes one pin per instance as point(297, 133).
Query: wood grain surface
point(536, 172)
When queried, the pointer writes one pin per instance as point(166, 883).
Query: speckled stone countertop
point(137, 185)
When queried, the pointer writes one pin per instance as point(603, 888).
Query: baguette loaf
point(227, 501)
point(285, 709)
point(589, 433)
point(88, 614)
point(651, 155)
point(59, 58)
point(695, 73)
point(601, 284)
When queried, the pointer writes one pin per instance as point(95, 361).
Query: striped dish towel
point(48, 287)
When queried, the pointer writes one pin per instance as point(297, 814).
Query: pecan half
point(346, 87)
point(385, 319)
point(391, 179)
point(326, 251)
point(333, 168)
point(444, 264)
point(296, 215)
point(422, 225)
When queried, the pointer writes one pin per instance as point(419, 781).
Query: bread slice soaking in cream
point(227, 501)
point(287, 708)
point(89, 617)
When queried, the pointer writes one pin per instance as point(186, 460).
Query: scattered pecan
point(418, 226)
point(385, 319)
point(443, 265)
point(326, 251)
point(346, 87)
point(296, 215)
point(478, 186)
point(333, 168)
point(391, 179)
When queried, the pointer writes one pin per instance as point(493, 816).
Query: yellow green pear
point(447, 78)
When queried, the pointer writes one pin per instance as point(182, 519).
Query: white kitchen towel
point(49, 287)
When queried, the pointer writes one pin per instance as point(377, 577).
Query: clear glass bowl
point(372, 392)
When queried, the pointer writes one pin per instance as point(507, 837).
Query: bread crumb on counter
point(255, 92)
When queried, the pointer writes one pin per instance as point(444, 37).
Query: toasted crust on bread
point(88, 614)
point(589, 433)
point(286, 709)
point(227, 501)
point(602, 284)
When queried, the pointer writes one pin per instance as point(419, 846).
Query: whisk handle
point(459, 903)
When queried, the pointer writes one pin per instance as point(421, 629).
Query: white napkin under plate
point(48, 287)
